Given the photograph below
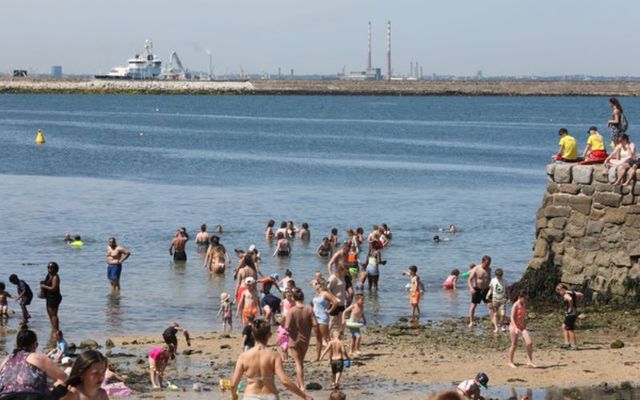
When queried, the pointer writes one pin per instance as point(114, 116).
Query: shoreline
point(324, 87)
point(402, 360)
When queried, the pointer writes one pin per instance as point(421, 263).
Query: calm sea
point(138, 167)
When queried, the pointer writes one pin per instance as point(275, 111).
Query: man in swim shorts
point(177, 247)
point(478, 282)
point(337, 286)
point(116, 255)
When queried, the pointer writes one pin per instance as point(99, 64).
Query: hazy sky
point(459, 37)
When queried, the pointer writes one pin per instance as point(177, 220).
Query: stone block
point(582, 174)
point(557, 248)
point(601, 175)
point(635, 209)
point(553, 187)
point(562, 173)
point(634, 272)
point(541, 248)
point(589, 244)
point(557, 222)
point(572, 279)
point(606, 187)
point(614, 215)
point(550, 168)
point(607, 199)
point(633, 249)
point(581, 204)
point(636, 189)
point(547, 199)
point(602, 259)
point(572, 266)
point(575, 231)
point(627, 200)
point(536, 263)
point(577, 218)
point(596, 214)
point(552, 234)
point(621, 259)
point(633, 221)
point(557, 211)
point(594, 227)
point(541, 223)
point(588, 190)
point(612, 174)
point(623, 189)
point(570, 188)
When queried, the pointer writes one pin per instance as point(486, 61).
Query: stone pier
point(587, 234)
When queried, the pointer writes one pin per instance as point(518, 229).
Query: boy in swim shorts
point(416, 288)
point(355, 322)
point(337, 355)
point(498, 294)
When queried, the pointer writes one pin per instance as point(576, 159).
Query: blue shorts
point(114, 271)
point(355, 332)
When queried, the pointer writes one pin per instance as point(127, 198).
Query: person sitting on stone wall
point(568, 151)
point(595, 152)
point(622, 157)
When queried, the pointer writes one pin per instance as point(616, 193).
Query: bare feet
point(470, 324)
point(512, 365)
point(530, 364)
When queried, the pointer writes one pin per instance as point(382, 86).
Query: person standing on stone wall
point(618, 122)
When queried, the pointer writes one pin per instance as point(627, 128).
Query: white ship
point(145, 66)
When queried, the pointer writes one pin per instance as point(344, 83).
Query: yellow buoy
point(39, 137)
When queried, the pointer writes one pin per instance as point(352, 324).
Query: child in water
point(226, 312)
point(4, 295)
point(452, 279)
point(416, 288)
point(337, 356)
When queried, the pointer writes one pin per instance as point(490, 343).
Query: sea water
point(139, 167)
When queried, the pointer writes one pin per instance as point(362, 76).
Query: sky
point(450, 37)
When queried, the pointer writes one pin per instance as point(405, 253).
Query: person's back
point(259, 369)
point(17, 375)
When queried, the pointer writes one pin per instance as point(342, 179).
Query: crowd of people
point(336, 308)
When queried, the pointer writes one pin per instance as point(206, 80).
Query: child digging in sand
point(355, 322)
point(158, 360)
point(337, 355)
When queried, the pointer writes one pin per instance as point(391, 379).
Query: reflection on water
point(113, 312)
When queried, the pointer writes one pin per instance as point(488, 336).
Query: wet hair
point(283, 224)
point(334, 231)
point(385, 227)
point(436, 238)
point(76, 237)
point(288, 273)
point(413, 268)
point(325, 239)
point(261, 330)
point(360, 230)
point(25, 339)
point(615, 103)
point(337, 395)
point(499, 272)
point(54, 267)
point(112, 238)
point(84, 361)
point(215, 240)
point(2, 286)
point(562, 131)
point(455, 272)
point(203, 228)
point(297, 294)
point(271, 223)
point(13, 278)
point(305, 225)
point(486, 259)
point(291, 283)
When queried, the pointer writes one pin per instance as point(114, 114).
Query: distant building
point(56, 71)
point(19, 73)
point(373, 74)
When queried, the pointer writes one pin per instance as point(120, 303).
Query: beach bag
point(41, 294)
point(624, 123)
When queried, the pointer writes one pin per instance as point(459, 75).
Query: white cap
point(65, 360)
point(252, 248)
point(249, 280)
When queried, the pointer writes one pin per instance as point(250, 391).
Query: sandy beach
point(404, 361)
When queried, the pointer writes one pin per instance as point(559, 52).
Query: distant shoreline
point(322, 87)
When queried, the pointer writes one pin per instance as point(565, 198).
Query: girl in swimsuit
point(268, 231)
point(518, 327)
point(323, 303)
point(452, 279)
point(260, 365)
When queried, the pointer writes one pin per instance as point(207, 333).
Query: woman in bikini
point(260, 365)
point(518, 327)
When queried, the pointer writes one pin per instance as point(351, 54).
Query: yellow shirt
point(569, 147)
point(595, 142)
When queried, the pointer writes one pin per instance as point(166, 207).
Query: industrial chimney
point(369, 54)
point(388, 50)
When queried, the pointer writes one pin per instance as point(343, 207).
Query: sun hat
point(252, 248)
point(482, 379)
point(275, 276)
point(224, 296)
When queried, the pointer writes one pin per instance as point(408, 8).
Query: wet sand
point(327, 87)
point(404, 361)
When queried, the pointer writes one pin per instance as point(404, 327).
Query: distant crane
point(175, 70)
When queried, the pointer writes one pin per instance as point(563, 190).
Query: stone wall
point(587, 233)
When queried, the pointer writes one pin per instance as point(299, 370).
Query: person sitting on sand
point(260, 365)
point(470, 389)
point(622, 157)
point(596, 151)
point(518, 327)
